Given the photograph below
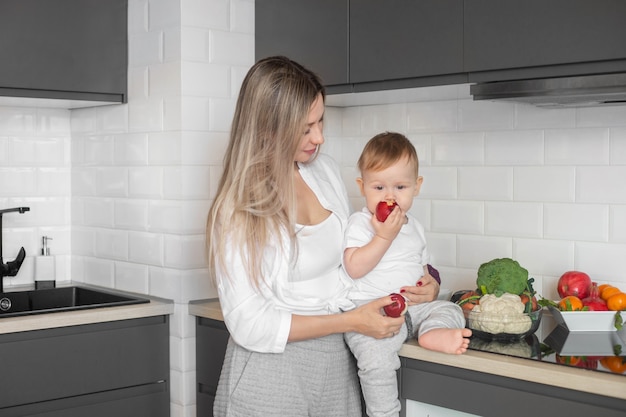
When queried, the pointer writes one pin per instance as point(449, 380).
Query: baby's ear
point(418, 185)
point(359, 182)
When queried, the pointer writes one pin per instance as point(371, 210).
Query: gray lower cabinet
point(117, 369)
point(211, 341)
point(490, 395)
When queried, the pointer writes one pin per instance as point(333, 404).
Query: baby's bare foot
point(455, 341)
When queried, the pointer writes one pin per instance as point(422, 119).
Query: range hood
point(579, 91)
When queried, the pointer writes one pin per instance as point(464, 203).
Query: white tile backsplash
point(458, 149)
point(453, 216)
point(513, 219)
point(376, 119)
point(203, 79)
point(132, 277)
point(214, 14)
point(242, 16)
point(432, 117)
point(532, 117)
point(617, 224)
point(439, 182)
point(485, 115)
point(473, 249)
point(184, 252)
point(510, 180)
point(112, 244)
point(131, 149)
point(485, 183)
point(545, 183)
point(585, 222)
point(145, 182)
point(145, 248)
point(230, 48)
point(514, 147)
point(577, 147)
point(131, 214)
point(162, 15)
point(602, 184)
point(99, 272)
point(602, 116)
point(617, 146)
point(18, 120)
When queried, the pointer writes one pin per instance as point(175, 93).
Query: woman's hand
point(427, 289)
point(369, 320)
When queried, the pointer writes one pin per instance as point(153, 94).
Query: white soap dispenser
point(45, 267)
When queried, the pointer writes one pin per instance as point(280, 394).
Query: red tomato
point(574, 283)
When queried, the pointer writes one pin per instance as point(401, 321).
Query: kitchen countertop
point(155, 307)
point(585, 380)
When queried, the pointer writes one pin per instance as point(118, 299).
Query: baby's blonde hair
point(384, 150)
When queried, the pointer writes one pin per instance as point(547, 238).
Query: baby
point(382, 257)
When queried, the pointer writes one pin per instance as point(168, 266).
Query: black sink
point(53, 300)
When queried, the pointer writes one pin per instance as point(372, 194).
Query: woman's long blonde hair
point(255, 201)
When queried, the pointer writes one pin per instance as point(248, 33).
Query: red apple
point(398, 307)
point(574, 283)
point(384, 208)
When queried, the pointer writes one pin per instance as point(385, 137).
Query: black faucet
point(10, 268)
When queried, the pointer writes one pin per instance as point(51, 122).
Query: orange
point(616, 302)
point(609, 291)
point(602, 286)
point(615, 364)
point(568, 360)
point(570, 303)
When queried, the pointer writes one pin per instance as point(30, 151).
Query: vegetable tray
point(534, 316)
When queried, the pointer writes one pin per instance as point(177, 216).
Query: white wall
point(543, 186)
point(35, 172)
point(133, 182)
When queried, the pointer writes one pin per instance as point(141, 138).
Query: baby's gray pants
point(378, 361)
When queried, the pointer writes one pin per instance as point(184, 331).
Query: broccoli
point(502, 275)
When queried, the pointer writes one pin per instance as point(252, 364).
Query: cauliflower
point(504, 314)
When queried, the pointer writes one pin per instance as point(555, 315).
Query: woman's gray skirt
point(312, 378)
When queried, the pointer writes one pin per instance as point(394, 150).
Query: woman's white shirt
point(260, 319)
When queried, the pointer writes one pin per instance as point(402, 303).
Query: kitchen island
point(481, 383)
point(99, 361)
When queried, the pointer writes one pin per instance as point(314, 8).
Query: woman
point(274, 234)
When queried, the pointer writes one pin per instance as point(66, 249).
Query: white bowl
point(585, 321)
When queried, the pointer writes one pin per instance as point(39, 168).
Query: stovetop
point(553, 343)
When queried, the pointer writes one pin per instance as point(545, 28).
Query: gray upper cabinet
point(64, 49)
point(403, 39)
point(510, 39)
point(356, 45)
point(313, 33)
point(366, 45)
